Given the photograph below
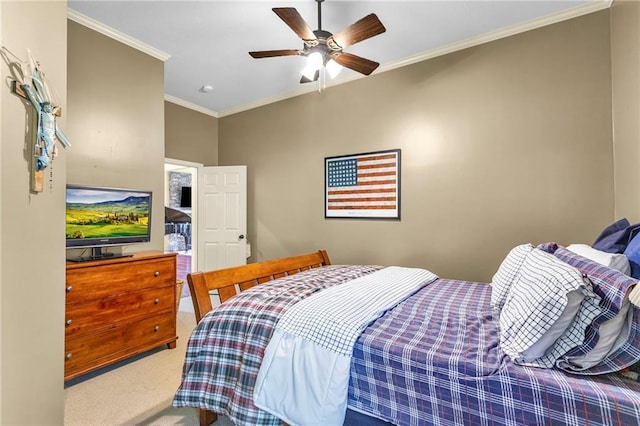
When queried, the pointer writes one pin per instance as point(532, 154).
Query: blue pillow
point(633, 254)
point(615, 237)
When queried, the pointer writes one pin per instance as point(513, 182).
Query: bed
point(433, 358)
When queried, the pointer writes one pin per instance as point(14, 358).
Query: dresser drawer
point(117, 308)
point(122, 340)
point(95, 314)
point(107, 280)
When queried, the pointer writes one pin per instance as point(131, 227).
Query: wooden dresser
point(117, 308)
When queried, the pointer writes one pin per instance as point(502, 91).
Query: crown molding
point(505, 32)
point(584, 9)
point(116, 35)
point(190, 105)
point(593, 6)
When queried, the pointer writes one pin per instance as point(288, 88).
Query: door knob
point(241, 237)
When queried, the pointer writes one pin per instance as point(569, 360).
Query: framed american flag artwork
point(363, 185)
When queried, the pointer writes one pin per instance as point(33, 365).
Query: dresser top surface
point(135, 257)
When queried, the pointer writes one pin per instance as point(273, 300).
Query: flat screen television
point(185, 196)
point(99, 217)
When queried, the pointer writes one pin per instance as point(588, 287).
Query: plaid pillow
point(535, 303)
point(613, 288)
point(582, 307)
point(624, 356)
point(548, 247)
point(506, 275)
point(612, 334)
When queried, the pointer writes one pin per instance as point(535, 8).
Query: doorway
point(180, 219)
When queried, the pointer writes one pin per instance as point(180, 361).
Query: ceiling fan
point(323, 48)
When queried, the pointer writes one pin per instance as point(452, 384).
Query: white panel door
point(222, 217)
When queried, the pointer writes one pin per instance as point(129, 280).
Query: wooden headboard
point(230, 281)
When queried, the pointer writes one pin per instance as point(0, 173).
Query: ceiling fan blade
point(304, 79)
point(356, 63)
point(365, 28)
point(273, 53)
point(292, 18)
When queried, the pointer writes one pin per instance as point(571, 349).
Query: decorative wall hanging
point(32, 85)
point(363, 185)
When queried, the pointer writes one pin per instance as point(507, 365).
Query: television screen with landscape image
point(97, 216)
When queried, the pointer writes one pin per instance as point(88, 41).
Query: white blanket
point(304, 376)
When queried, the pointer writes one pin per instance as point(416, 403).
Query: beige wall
point(116, 119)
point(625, 65)
point(190, 135)
point(32, 228)
point(2, 96)
point(504, 143)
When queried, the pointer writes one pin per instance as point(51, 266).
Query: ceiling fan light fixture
point(309, 72)
point(314, 60)
point(333, 68)
point(320, 46)
point(314, 63)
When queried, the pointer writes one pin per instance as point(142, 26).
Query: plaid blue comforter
point(435, 360)
point(432, 360)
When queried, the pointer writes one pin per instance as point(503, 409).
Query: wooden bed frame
point(231, 281)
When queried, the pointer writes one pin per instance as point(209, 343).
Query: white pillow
point(506, 275)
point(617, 261)
point(536, 301)
point(538, 349)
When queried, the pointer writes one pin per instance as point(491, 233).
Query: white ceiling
point(207, 42)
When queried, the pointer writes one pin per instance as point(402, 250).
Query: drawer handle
point(156, 274)
point(69, 288)
point(69, 321)
point(156, 328)
point(156, 301)
point(69, 355)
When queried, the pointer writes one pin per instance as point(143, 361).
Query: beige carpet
point(138, 391)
